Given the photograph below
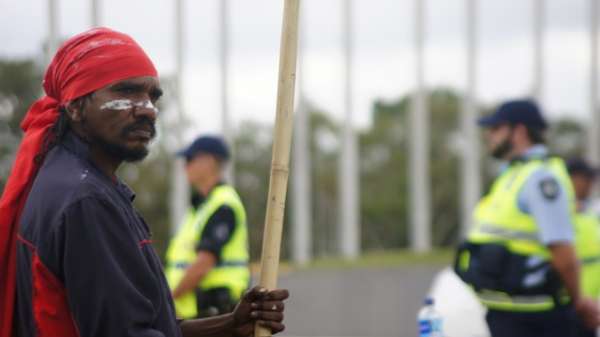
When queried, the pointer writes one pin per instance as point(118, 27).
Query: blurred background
point(387, 161)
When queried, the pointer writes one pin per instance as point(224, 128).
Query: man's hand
point(587, 310)
point(262, 306)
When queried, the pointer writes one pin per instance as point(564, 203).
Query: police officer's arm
point(108, 282)
point(547, 201)
point(214, 236)
point(563, 256)
point(564, 261)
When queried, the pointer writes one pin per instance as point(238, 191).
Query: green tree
point(567, 138)
point(384, 171)
point(20, 86)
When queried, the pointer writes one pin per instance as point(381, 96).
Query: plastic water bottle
point(430, 321)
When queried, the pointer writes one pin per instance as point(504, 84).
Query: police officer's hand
point(262, 306)
point(587, 310)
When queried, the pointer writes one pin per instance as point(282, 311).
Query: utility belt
point(504, 280)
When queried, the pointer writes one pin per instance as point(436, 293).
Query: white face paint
point(148, 105)
point(117, 104)
point(125, 104)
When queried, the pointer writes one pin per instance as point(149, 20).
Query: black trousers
point(559, 322)
point(583, 331)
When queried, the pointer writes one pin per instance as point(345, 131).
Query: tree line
point(383, 166)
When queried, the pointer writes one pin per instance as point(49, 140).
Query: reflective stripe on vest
point(587, 245)
point(232, 270)
point(499, 220)
point(508, 234)
point(498, 300)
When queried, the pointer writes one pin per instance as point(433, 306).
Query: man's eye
point(127, 91)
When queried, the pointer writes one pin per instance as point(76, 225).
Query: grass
point(377, 259)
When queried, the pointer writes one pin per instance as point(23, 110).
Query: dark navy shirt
point(219, 227)
point(217, 232)
point(80, 234)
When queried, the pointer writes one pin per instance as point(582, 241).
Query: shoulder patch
point(549, 188)
point(222, 231)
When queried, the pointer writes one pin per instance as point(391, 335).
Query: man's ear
point(75, 110)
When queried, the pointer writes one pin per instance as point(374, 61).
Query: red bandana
point(85, 63)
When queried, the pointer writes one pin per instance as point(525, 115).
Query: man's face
point(120, 118)
point(498, 139)
point(582, 183)
point(199, 167)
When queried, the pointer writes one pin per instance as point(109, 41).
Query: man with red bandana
point(75, 256)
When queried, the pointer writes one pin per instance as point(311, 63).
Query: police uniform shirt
point(547, 201)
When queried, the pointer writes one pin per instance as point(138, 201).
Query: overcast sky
point(384, 54)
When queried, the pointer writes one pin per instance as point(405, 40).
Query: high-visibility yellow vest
point(231, 271)
point(498, 220)
point(587, 245)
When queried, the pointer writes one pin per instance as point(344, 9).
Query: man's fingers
point(258, 293)
point(255, 293)
point(268, 306)
point(275, 327)
point(278, 294)
point(275, 316)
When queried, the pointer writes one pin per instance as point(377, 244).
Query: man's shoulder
point(542, 185)
point(65, 179)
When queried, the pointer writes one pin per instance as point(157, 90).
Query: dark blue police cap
point(206, 144)
point(579, 165)
point(524, 112)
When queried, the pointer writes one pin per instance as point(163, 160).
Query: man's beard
point(500, 151)
point(119, 151)
point(122, 152)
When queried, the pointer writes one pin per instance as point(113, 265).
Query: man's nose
point(146, 109)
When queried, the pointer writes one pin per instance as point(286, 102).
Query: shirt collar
point(125, 190)
point(80, 148)
point(75, 144)
point(535, 152)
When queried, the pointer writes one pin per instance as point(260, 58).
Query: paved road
point(358, 302)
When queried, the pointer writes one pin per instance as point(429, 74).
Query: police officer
point(207, 260)
point(519, 256)
point(587, 234)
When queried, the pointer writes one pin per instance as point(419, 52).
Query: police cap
point(213, 145)
point(524, 112)
point(580, 166)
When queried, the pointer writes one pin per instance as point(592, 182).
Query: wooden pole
point(281, 152)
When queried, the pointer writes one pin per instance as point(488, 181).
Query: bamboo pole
point(281, 152)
